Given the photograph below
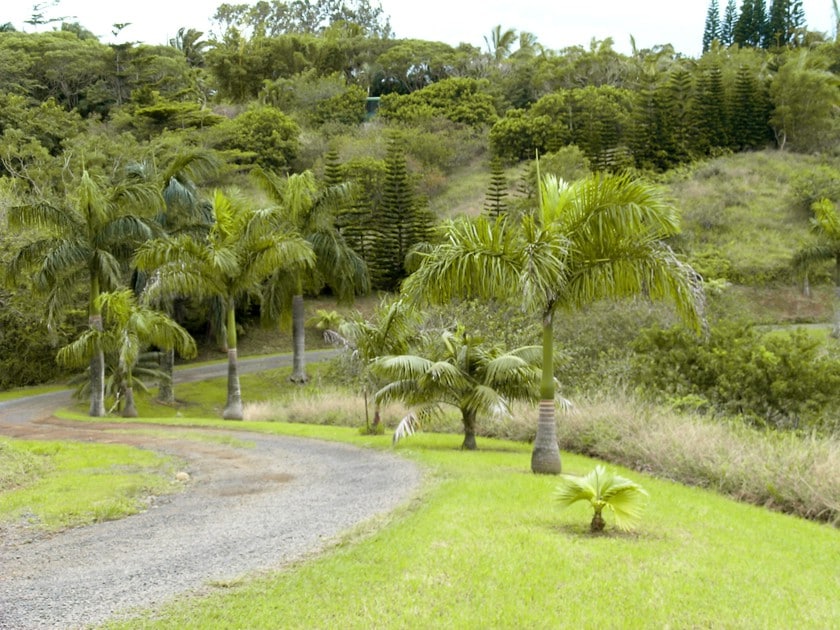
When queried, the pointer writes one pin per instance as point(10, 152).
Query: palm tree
point(473, 378)
point(604, 489)
point(183, 211)
point(243, 248)
point(597, 238)
point(311, 212)
point(387, 332)
point(500, 42)
point(825, 246)
point(86, 238)
point(129, 328)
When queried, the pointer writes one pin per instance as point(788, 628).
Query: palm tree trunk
point(468, 418)
point(166, 393)
point(545, 458)
point(233, 408)
point(97, 361)
point(298, 359)
point(129, 410)
point(597, 524)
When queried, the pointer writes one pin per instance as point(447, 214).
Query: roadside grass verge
point(55, 485)
point(486, 546)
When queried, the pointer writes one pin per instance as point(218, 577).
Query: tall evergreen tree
point(727, 25)
point(399, 222)
point(751, 26)
point(750, 111)
point(710, 109)
point(495, 201)
point(786, 19)
point(711, 32)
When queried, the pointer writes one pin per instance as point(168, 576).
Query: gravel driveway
point(245, 509)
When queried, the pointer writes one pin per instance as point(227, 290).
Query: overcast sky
point(556, 23)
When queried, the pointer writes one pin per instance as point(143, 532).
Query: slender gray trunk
point(97, 374)
point(298, 337)
point(166, 393)
point(129, 410)
point(233, 408)
point(545, 458)
point(836, 330)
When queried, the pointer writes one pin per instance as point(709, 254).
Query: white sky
point(556, 23)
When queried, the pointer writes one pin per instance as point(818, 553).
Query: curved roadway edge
point(248, 509)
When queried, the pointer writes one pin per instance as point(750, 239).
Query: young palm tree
point(604, 489)
point(85, 238)
point(129, 328)
point(826, 246)
point(599, 237)
point(473, 378)
point(243, 248)
point(311, 212)
point(386, 333)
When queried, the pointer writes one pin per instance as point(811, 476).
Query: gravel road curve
point(245, 510)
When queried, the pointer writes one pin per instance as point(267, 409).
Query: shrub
point(782, 380)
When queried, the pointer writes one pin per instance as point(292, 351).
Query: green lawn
point(55, 485)
point(485, 546)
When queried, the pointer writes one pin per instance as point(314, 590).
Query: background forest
point(315, 108)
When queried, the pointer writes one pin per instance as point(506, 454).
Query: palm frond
point(406, 427)
point(42, 215)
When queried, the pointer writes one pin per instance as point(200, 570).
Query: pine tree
point(750, 111)
point(786, 19)
point(751, 26)
point(332, 168)
point(711, 32)
point(727, 26)
point(710, 109)
point(495, 201)
point(400, 222)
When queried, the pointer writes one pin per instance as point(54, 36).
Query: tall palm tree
point(183, 211)
point(84, 238)
point(500, 42)
point(473, 378)
point(599, 237)
point(243, 248)
point(311, 211)
point(825, 246)
point(129, 328)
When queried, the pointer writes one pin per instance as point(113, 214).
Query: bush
point(783, 380)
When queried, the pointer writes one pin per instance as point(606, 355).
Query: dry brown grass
point(785, 472)
point(335, 408)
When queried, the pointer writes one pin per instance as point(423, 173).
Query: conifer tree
point(786, 18)
point(712, 30)
point(750, 111)
point(332, 168)
point(710, 109)
point(495, 202)
point(727, 25)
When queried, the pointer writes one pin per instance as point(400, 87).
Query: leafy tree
point(460, 100)
point(599, 237)
point(463, 374)
point(311, 212)
point(711, 31)
point(805, 95)
point(244, 247)
point(825, 246)
point(129, 327)
point(604, 489)
point(265, 134)
point(85, 238)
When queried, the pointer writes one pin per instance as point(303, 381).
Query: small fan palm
point(604, 489)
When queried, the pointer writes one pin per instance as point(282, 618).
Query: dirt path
point(245, 509)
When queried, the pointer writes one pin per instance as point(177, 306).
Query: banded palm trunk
point(545, 458)
point(129, 408)
point(166, 393)
point(468, 418)
point(299, 339)
point(97, 361)
point(233, 408)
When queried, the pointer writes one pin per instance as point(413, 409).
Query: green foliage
point(781, 380)
point(460, 100)
point(604, 489)
point(267, 136)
